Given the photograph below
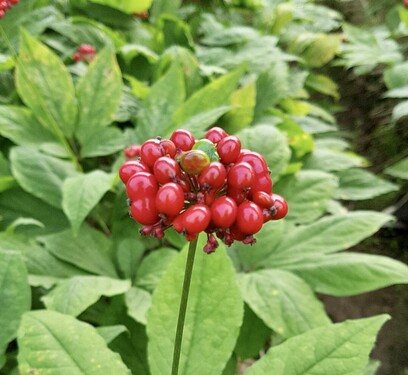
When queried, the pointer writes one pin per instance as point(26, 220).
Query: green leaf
point(283, 301)
point(357, 184)
point(20, 126)
point(348, 274)
point(164, 6)
point(110, 333)
point(153, 267)
point(211, 96)
point(15, 295)
point(399, 169)
point(138, 302)
point(164, 97)
point(252, 336)
point(400, 110)
point(89, 250)
point(270, 143)
point(39, 174)
point(75, 295)
point(77, 349)
point(307, 192)
point(396, 76)
point(126, 6)
point(336, 350)
point(323, 84)
point(82, 193)
point(214, 308)
point(45, 85)
point(96, 108)
point(101, 142)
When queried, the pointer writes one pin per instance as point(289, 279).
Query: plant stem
point(183, 306)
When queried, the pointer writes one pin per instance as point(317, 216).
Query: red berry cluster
point(209, 185)
point(5, 5)
point(85, 52)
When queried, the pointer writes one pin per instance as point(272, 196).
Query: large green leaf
point(211, 96)
point(104, 141)
point(358, 184)
point(270, 143)
point(214, 315)
point(307, 193)
point(283, 301)
point(138, 302)
point(99, 91)
point(348, 274)
point(75, 295)
point(81, 193)
point(336, 350)
point(72, 347)
point(19, 125)
point(46, 87)
point(15, 295)
point(164, 97)
point(89, 250)
point(399, 169)
point(39, 174)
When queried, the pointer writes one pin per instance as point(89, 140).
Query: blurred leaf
point(313, 125)
point(39, 174)
point(216, 302)
point(396, 76)
point(400, 110)
point(89, 250)
point(45, 86)
point(270, 143)
point(357, 184)
point(399, 92)
point(317, 49)
point(82, 193)
point(77, 348)
point(307, 191)
point(399, 170)
point(283, 301)
point(323, 84)
point(175, 32)
point(126, 6)
point(230, 36)
point(15, 296)
point(164, 98)
point(138, 302)
point(96, 109)
point(73, 296)
point(349, 343)
point(164, 7)
point(348, 274)
point(153, 267)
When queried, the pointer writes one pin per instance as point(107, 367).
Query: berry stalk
point(183, 306)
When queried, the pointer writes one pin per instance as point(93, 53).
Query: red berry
point(144, 211)
point(256, 160)
point(132, 151)
point(236, 233)
point(129, 168)
point(193, 162)
point(262, 182)
point(215, 134)
point(229, 149)
point(150, 151)
point(281, 207)
point(141, 184)
point(14, 2)
point(223, 212)
point(405, 3)
point(170, 199)
point(87, 49)
point(212, 177)
point(168, 148)
point(262, 199)
point(183, 139)
point(238, 195)
point(76, 57)
point(249, 218)
point(240, 176)
point(166, 170)
point(196, 218)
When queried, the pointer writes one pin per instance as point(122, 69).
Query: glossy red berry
point(144, 210)
point(183, 139)
point(132, 151)
point(224, 212)
point(196, 218)
point(249, 218)
point(262, 199)
point(215, 134)
point(129, 168)
point(241, 176)
point(168, 148)
point(262, 182)
point(170, 199)
point(166, 170)
point(238, 195)
point(281, 207)
point(213, 176)
point(229, 149)
point(193, 162)
point(255, 159)
point(141, 184)
point(150, 151)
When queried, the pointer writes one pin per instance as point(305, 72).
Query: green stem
point(183, 306)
